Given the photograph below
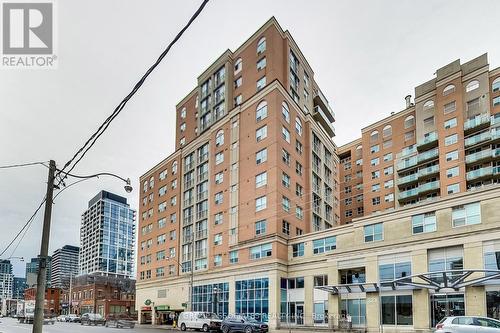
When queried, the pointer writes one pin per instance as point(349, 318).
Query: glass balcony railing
point(473, 140)
point(495, 152)
point(429, 138)
point(495, 119)
point(479, 173)
point(428, 155)
point(408, 193)
point(428, 186)
point(495, 133)
point(480, 155)
point(476, 121)
point(428, 171)
point(408, 150)
point(408, 179)
point(407, 163)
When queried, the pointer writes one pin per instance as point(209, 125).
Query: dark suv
point(92, 319)
point(243, 324)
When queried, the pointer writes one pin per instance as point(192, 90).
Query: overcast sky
point(366, 55)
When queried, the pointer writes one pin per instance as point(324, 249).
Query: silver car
point(468, 324)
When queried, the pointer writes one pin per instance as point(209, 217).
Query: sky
point(367, 55)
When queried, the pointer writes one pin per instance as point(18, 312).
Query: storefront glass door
point(444, 305)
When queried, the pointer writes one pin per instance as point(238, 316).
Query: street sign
point(147, 302)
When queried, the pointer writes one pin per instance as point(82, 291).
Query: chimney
point(408, 101)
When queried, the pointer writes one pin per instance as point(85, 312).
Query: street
point(10, 325)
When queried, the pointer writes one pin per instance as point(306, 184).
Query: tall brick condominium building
point(249, 201)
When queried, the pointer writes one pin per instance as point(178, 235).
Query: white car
point(204, 321)
point(468, 324)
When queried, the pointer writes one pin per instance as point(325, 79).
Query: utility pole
point(44, 249)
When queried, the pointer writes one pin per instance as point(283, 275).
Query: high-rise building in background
point(64, 265)
point(6, 279)
point(32, 272)
point(248, 200)
point(107, 237)
point(19, 285)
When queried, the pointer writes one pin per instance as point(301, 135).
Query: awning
point(449, 280)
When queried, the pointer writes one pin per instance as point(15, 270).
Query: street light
point(215, 292)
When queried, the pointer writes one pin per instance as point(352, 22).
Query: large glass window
point(397, 310)
point(466, 214)
point(324, 244)
point(493, 302)
point(252, 298)
point(208, 297)
point(356, 309)
point(352, 275)
point(423, 223)
point(389, 272)
point(298, 250)
point(374, 232)
point(261, 251)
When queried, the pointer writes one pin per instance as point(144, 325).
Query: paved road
point(10, 325)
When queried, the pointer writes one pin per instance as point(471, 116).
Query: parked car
point(205, 321)
point(119, 321)
point(73, 318)
point(92, 319)
point(49, 320)
point(466, 324)
point(61, 318)
point(243, 324)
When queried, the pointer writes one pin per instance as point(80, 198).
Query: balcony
point(408, 151)
point(495, 133)
point(201, 196)
point(326, 122)
point(428, 187)
point(202, 176)
point(188, 202)
point(186, 257)
point(428, 171)
point(428, 155)
point(407, 179)
point(478, 138)
point(188, 219)
point(480, 173)
point(429, 141)
point(201, 253)
point(407, 163)
point(202, 214)
point(201, 233)
point(320, 99)
point(477, 123)
point(316, 168)
point(495, 152)
point(412, 193)
point(188, 183)
point(479, 156)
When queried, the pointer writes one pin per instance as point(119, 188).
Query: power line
point(21, 165)
point(102, 128)
point(26, 225)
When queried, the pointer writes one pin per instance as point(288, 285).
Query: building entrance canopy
point(440, 281)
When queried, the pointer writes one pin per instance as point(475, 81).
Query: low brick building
point(52, 299)
point(100, 294)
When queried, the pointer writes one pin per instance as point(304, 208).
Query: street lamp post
point(44, 247)
point(216, 300)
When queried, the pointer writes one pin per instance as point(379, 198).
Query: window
point(453, 188)
point(375, 187)
point(261, 64)
point(449, 89)
point(409, 135)
point(388, 157)
point(389, 170)
point(219, 178)
point(375, 174)
point(285, 112)
point(394, 267)
point(182, 141)
point(451, 139)
point(429, 121)
point(374, 149)
point(298, 126)
point(389, 183)
point(374, 136)
point(260, 203)
point(299, 190)
point(183, 113)
point(285, 134)
point(423, 223)
point(472, 85)
point(174, 167)
point(285, 156)
point(261, 156)
point(496, 85)
point(260, 227)
point(473, 105)
point(409, 121)
point(218, 239)
point(238, 99)
point(298, 147)
point(452, 172)
point(261, 251)
point(450, 123)
point(466, 214)
point(219, 138)
point(397, 310)
point(233, 257)
point(299, 212)
point(261, 45)
point(452, 155)
point(496, 101)
point(348, 213)
point(450, 107)
point(218, 260)
point(298, 250)
point(428, 105)
point(261, 180)
point(387, 131)
point(298, 168)
point(162, 190)
point(172, 235)
point(285, 203)
point(261, 83)
point(261, 112)
point(387, 144)
point(218, 198)
point(376, 201)
point(238, 65)
point(162, 223)
point(375, 161)
point(374, 232)
point(218, 218)
point(324, 245)
point(261, 133)
point(183, 127)
point(285, 227)
point(285, 180)
point(219, 158)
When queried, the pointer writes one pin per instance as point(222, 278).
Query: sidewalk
point(158, 327)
